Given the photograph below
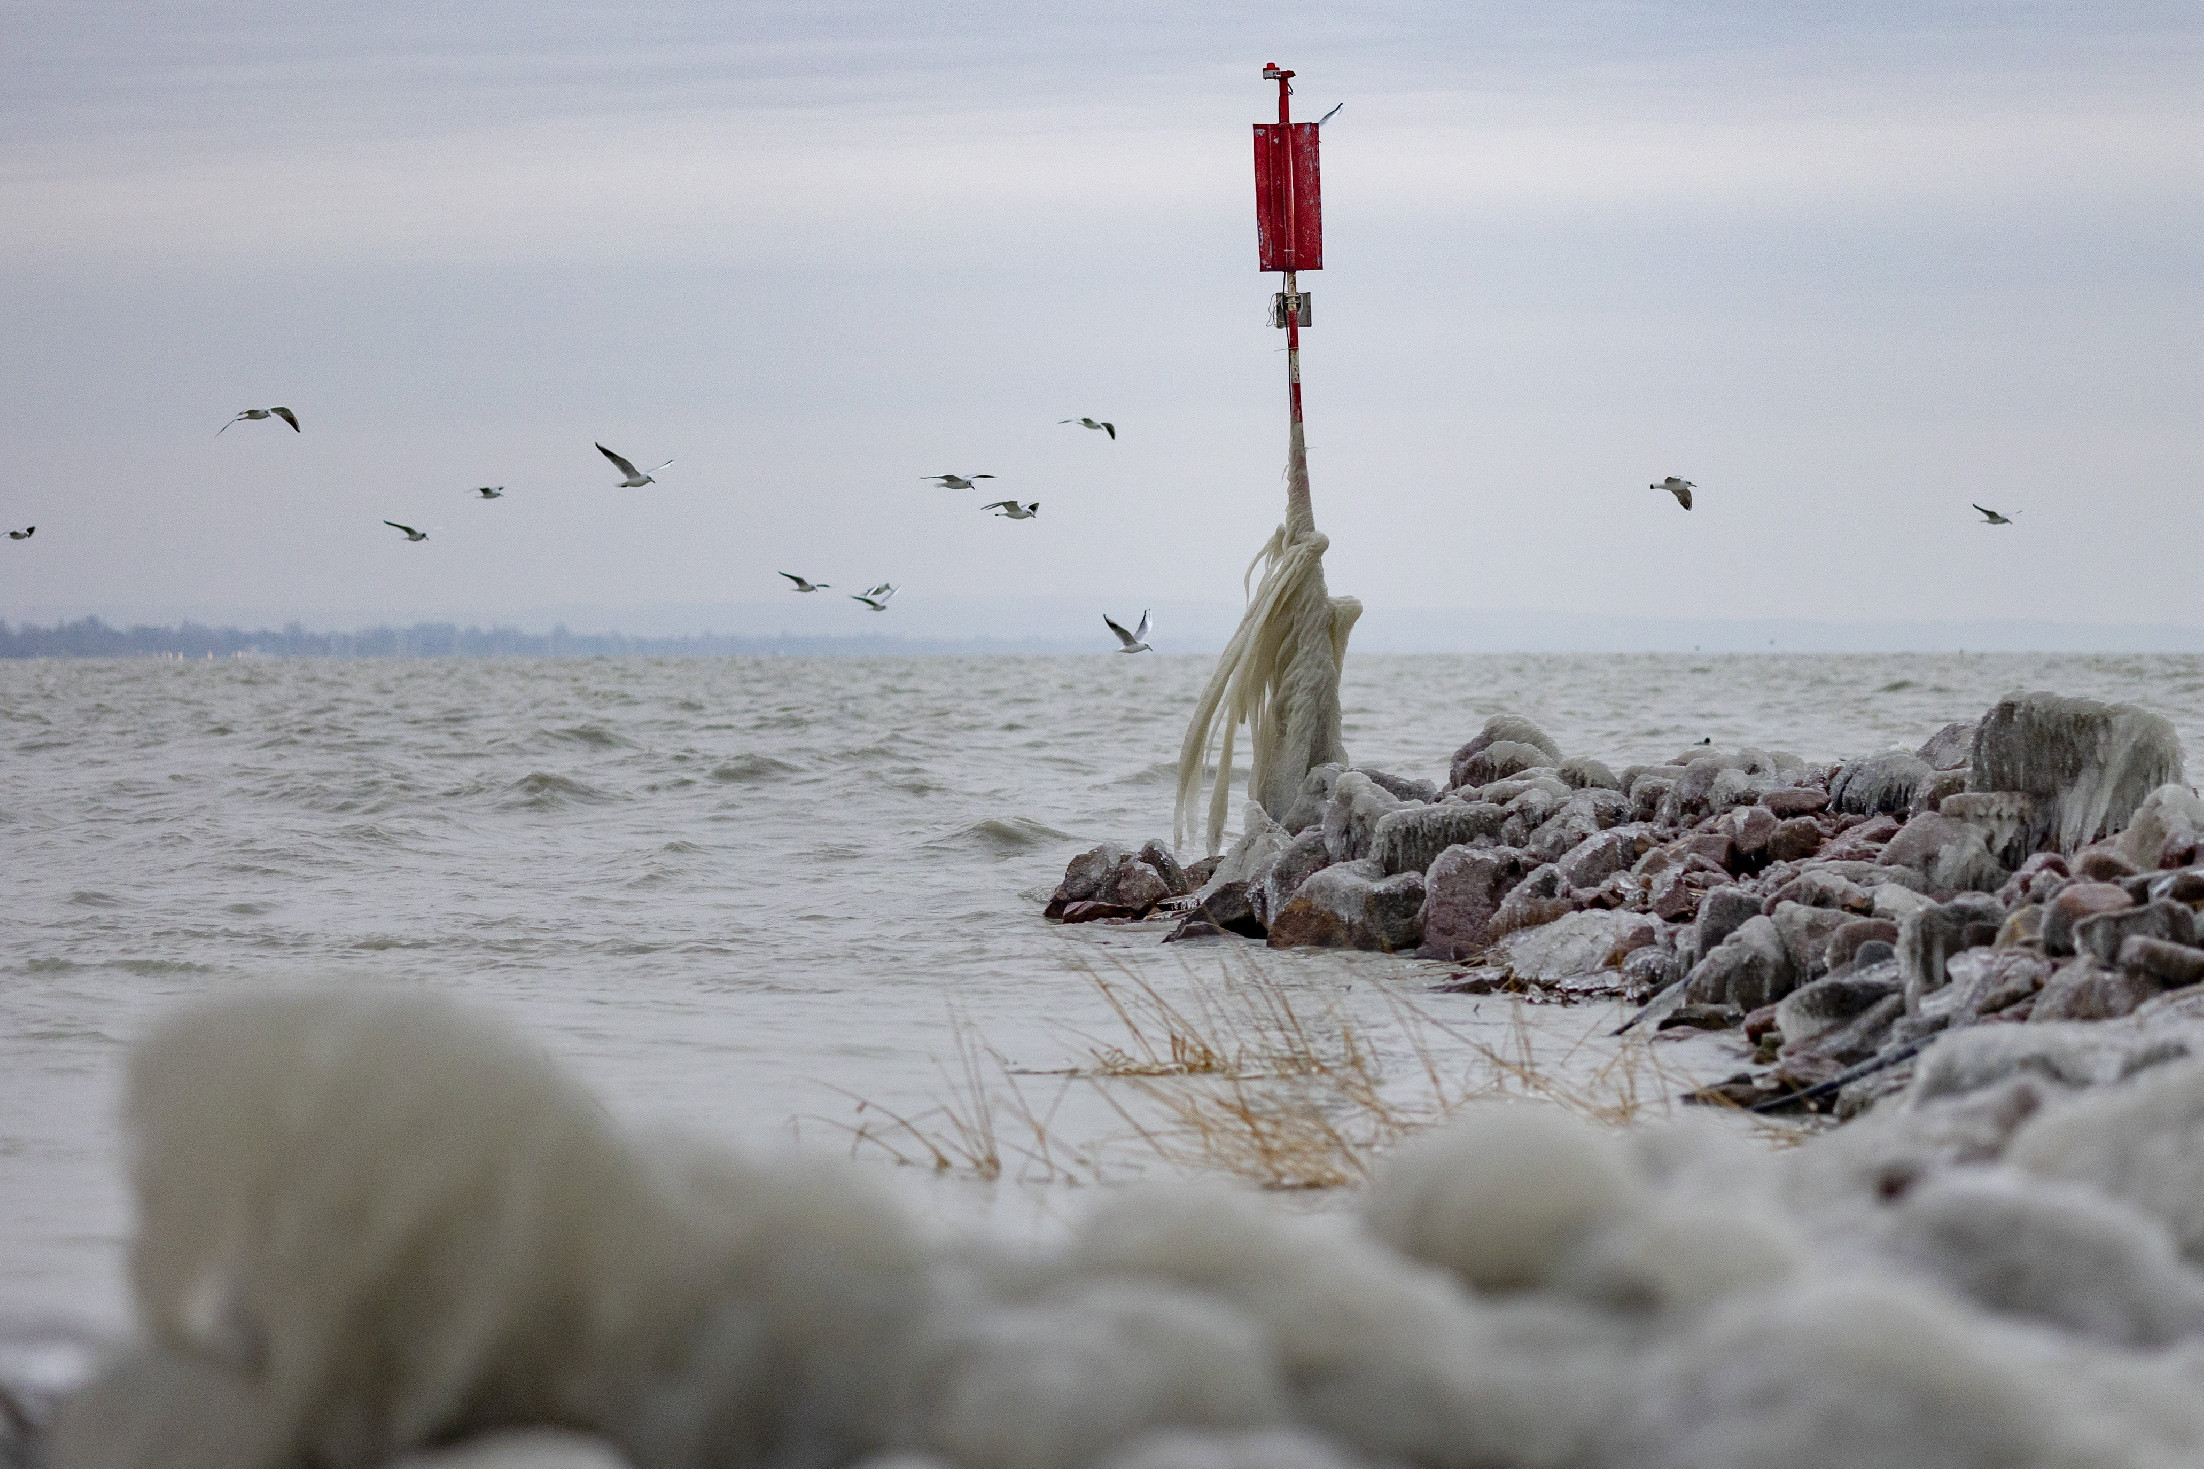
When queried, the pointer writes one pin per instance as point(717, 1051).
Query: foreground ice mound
point(379, 1226)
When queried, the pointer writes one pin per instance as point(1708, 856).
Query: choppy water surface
point(721, 889)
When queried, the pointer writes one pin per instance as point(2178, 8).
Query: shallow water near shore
point(734, 894)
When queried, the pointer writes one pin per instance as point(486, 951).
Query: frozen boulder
point(1876, 784)
point(1585, 773)
point(2083, 989)
point(1252, 855)
point(1350, 822)
point(1806, 933)
point(1928, 938)
point(1087, 872)
point(1588, 811)
point(1463, 889)
point(1304, 856)
point(2101, 935)
point(1950, 748)
point(2009, 821)
point(1574, 945)
point(1601, 855)
point(1511, 729)
point(1315, 798)
point(1401, 787)
point(2075, 904)
point(1814, 1010)
point(1540, 898)
point(1410, 838)
point(1352, 906)
point(1750, 968)
point(2089, 765)
point(1159, 857)
point(2167, 830)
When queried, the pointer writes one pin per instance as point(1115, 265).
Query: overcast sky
point(1848, 267)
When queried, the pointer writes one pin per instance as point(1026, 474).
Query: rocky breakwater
point(2043, 863)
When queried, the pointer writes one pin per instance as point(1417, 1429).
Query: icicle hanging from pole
point(1280, 673)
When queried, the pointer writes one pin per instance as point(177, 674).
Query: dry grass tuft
point(1246, 1076)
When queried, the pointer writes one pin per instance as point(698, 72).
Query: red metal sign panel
point(1289, 217)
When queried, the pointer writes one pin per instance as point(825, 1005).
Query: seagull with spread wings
point(1109, 428)
point(490, 492)
point(1135, 641)
point(24, 534)
point(411, 533)
point(957, 481)
point(257, 413)
point(805, 586)
point(1012, 510)
point(877, 598)
point(635, 478)
point(1991, 517)
point(1680, 488)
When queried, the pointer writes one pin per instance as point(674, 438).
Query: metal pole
point(1293, 313)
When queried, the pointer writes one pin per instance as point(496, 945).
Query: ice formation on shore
point(376, 1225)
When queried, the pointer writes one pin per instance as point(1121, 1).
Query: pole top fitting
point(1271, 73)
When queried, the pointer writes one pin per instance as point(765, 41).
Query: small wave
point(539, 790)
point(1001, 837)
point(1154, 773)
point(749, 769)
point(1900, 686)
point(596, 736)
point(159, 966)
point(49, 966)
point(251, 910)
point(93, 899)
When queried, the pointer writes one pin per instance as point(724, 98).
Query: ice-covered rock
point(1587, 811)
point(1573, 945)
point(1159, 857)
point(1410, 838)
point(1400, 787)
point(2083, 989)
point(2088, 765)
point(2101, 935)
point(1950, 748)
point(1463, 889)
point(1315, 798)
point(2075, 904)
point(1275, 886)
point(1540, 898)
point(1584, 773)
point(1814, 1010)
point(1879, 783)
point(1750, 968)
point(1350, 821)
point(1251, 856)
point(2166, 831)
point(1503, 728)
point(1352, 905)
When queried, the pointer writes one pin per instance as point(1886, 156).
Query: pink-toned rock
point(1788, 801)
point(2082, 989)
point(1749, 829)
point(1462, 891)
point(2074, 903)
point(2103, 864)
point(1537, 900)
point(1862, 843)
point(1796, 839)
point(1676, 891)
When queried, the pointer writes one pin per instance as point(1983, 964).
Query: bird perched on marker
point(877, 598)
point(802, 585)
point(411, 533)
point(24, 534)
point(1012, 510)
point(283, 413)
point(1680, 488)
point(635, 478)
point(957, 481)
point(490, 492)
point(1109, 428)
point(1991, 517)
point(1135, 641)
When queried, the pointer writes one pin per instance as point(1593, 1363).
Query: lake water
point(732, 893)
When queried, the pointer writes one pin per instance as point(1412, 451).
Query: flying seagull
point(1327, 117)
point(491, 492)
point(1680, 488)
point(805, 586)
point(1991, 517)
point(1012, 510)
point(877, 598)
point(958, 481)
point(1109, 428)
point(1135, 641)
point(636, 478)
point(24, 534)
point(283, 413)
point(411, 533)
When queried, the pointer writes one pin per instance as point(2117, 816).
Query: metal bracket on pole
point(1294, 302)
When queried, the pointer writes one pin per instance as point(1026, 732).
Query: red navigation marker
point(1289, 218)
